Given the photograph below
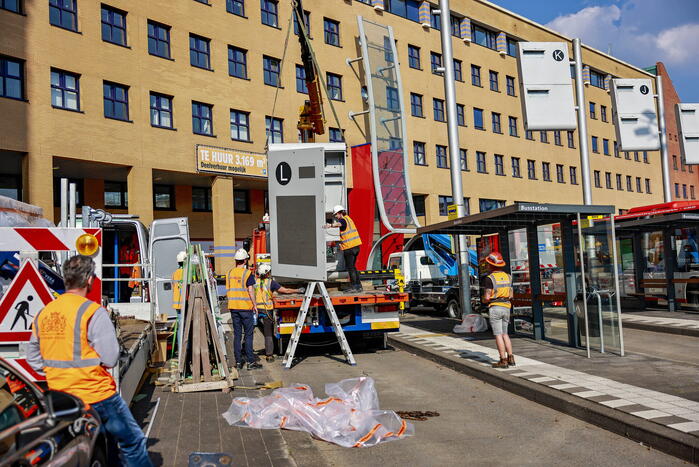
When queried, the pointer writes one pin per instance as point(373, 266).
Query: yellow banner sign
point(224, 161)
point(451, 212)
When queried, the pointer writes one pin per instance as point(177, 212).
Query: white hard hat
point(241, 254)
point(181, 256)
point(264, 269)
point(338, 208)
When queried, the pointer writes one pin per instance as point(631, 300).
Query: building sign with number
point(223, 161)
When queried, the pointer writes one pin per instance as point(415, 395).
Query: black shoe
point(240, 365)
point(254, 366)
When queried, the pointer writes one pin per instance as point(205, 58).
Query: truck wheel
point(453, 309)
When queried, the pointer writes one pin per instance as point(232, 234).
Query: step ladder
point(301, 319)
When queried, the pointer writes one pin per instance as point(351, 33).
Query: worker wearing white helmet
point(349, 244)
point(240, 291)
point(177, 281)
point(264, 290)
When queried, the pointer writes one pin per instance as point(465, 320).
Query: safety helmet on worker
point(241, 255)
point(181, 256)
point(338, 208)
point(263, 269)
point(495, 259)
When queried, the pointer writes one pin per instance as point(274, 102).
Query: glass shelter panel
point(553, 287)
point(521, 284)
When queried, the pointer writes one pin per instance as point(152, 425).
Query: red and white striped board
point(23, 367)
point(35, 239)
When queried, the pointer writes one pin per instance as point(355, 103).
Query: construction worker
point(498, 296)
point(264, 290)
point(349, 244)
point(128, 254)
point(240, 291)
point(177, 281)
point(73, 342)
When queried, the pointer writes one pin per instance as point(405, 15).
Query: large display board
point(635, 116)
point(688, 122)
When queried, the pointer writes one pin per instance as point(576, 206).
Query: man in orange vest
point(74, 342)
point(240, 291)
point(349, 244)
point(498, 296)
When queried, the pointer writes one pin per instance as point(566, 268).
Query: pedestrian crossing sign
point(26, 296)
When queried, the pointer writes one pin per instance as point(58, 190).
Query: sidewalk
point(677, 322)
point(647, 399)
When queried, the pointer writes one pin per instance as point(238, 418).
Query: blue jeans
point(243, 321)
point(124, 437)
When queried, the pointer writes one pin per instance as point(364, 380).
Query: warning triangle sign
point(25, 297)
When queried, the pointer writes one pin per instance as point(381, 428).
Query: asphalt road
point(478, 424)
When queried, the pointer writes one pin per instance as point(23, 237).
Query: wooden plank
point(220, 359)
point(196, 336)
point(185, 340)
point(203, 386)
point(205, 361)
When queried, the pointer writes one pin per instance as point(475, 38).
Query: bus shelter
point(562, 259)
point(659, 256)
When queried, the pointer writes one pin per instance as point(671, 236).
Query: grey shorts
point(499, 319)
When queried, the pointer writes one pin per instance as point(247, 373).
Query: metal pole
point(664, 158)
point(582, 123)
point(71, 206)
point(453, 133)
point(64, 202)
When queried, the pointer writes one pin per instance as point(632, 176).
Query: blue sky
point(640, 32)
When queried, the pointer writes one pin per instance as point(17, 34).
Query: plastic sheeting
point(14, 213)
point(349, 416)
point(471, 323)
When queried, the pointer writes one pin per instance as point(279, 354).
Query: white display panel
point(688, 122)
point(635, 116)
point(546, 86)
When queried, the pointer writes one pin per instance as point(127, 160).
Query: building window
point(444, 203)
point(478, 119)
point(116, 101)
point(682, 165)
point(336, 135)
point(494, 84)
point(531, 169)
point(11, 78)
point(463, 160)
point(64, 14)
point(571, 141)
point(627, 156)
point(640, 190)
point(271, 67)
point(596, 79)
point(645, 159)
point(629, 183)
point(480, 162)
point(560, 176)
point(458, 74)
point(455, 23)
point(335, 87)
point(419, 205)
point(274, 129)
point(512, 123)
point(442, 157)
point(511, 47)
point(306, 22)
point(269, 9)
point(557, 138)
point(158, 39)
point(528, 134)
point(616, 149)
point(236, 7)
point(201, 199)
point(415, 105)
point(164, 197)
point(490, 204)
point(65, 90)
point(516, 171)
point(414, 57)
point(635, 156)
point(648, 187)
point(240, 125)
point(460, 115)
point(573, 176)
point(619, 184)
point(241, 201)
point(499, 165)
point(598, 181)
point(202, 119)
point(605, 146)
point(115, 195)
point(544, 136)
point(331, 32)
point(10, 5)
point(691, 189)
point(301, 85)
point(608, 180)
point(593, 114)
point(546, 171)
point(510, 81)
point(595, 145)
point(603, 112)
point(237, 62)
point(113, 25)
point(160, 110)
point(199, 52)
point(482, 36)
point(419, 153)
point(438, 106)
point(674, 162)
point(495, 117)
point(677, 190)
point(435, 62)
point(475, 75)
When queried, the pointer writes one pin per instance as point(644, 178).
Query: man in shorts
point(498, 296)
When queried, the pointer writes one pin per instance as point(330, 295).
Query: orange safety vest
point(236, 290)
point(263, 294)
point(502, 287)
point(70, 363)
point(350, 236)
point(176, 287)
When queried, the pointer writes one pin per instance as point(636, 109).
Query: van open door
point(167, 238)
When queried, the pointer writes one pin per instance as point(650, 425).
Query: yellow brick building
point(116, 95)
